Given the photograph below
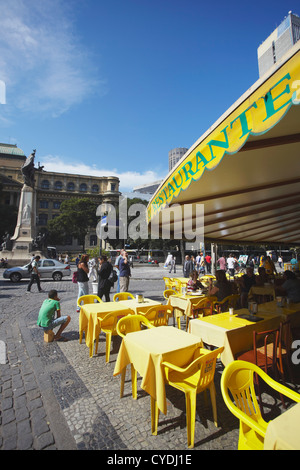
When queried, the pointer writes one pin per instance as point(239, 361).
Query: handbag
point(74, 277)
point(113, 277)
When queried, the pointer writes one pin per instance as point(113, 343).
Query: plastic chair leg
point(212, 391)
point(108, 344)
point(123, 375)
point(190, 400)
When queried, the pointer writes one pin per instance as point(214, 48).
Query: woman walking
point(82, 276)
point(104, 283)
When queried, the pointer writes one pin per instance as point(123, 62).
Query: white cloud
point(42, 62)
point(128, 179)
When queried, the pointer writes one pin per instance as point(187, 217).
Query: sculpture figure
point(28, 170)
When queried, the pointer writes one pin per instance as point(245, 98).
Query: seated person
point(262, 278)
point(221, 288)
point(193, 282)
point(246, 282)
point(291, 287)
point(46, 318)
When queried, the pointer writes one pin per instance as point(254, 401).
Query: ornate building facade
point(52, 189)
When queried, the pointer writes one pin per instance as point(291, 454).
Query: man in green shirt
point(46, 318)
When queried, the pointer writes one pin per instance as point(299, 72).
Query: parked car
point(48, 268)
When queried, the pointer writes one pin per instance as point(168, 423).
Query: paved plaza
point(54, 396)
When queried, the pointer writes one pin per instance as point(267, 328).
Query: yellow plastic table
point(147, 349)
point(89, 314)
point(183, 303)
point(235, 334)
point(283, 432)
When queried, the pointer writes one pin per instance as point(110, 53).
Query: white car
point(48, 268)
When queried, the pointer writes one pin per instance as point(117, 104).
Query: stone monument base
point(22, 252)
point(19, 257)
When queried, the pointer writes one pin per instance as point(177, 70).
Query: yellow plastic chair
point(86, 299)
point(177, 286)
point(108, 325)
point(169, 292)
point(159, 315)
point(238, 379)
point(122, 296)
point(192, 379)
point(204, 307)
point(168, 282)
point(223, 305)
point(126, 325)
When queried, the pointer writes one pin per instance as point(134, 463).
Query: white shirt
point(230, 263)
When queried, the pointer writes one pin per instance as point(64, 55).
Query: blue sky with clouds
point(109, 87)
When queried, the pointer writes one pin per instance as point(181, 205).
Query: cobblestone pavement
point(54, 396)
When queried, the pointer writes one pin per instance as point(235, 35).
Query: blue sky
point(109, 87)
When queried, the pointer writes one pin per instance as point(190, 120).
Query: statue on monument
point(28, 170)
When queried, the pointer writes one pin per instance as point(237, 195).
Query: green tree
point(77, 215)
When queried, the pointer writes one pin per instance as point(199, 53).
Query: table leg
point(154, 416)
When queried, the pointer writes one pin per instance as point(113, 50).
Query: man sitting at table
point(246, 282)
point(46, 318)
point(291, 287)
point(194, 283)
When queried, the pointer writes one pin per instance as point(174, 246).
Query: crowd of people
point(103, 271)
point(222, 286)
point(107, 273)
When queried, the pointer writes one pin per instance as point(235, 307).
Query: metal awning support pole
point(214, 249)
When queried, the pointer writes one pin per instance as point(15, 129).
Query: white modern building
point(278, 43)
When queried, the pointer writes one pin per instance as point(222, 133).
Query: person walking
point(208, 263)
point(231, 264)
point(34, 275)
point(173, 264)
point(104, 285)
point(187, 266)
point(222, 263)
point(125, 272)
point(118, 258)
point(92, 270)
point(82, 276)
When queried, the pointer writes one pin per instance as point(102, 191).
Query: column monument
point(25, 232)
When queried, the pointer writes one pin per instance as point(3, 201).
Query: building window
point(93, 240)
point(58, 185)
point(45, 184)
point(44, 204)
point(95, 188)
point(56, 204)
point(71, 187)
point(83, 187)
point(113, 186)
point(43, 219)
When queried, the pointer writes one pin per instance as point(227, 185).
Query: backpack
point(113, 277)
point(30, 268)
point(74, 277)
